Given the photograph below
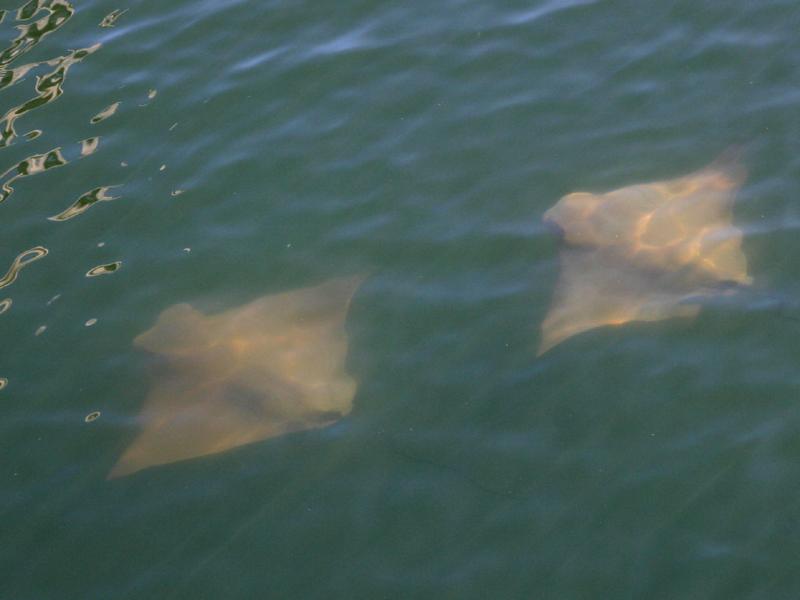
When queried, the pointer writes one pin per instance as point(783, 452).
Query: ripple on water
point(544, 9)
point(89, 145)
point(48, 76)
point(104, 114)
point(30, 34)
point(21, 261)
point(84, 203)
point(111, 18)
point(104, 269)
point(49, 87)
point(39, 163)
point(38, 19)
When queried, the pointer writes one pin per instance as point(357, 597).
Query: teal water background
point(418, 142)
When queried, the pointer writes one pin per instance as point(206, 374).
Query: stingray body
point(253, 372)
point(645, 252)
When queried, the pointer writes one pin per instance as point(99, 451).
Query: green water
point(265, 146)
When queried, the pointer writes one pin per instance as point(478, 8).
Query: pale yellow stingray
point(270, 367)
point(645, 252)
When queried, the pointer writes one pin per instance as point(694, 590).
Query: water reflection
point(36, 163)
point(111, 18)
point(84, 203)
point(104, 114)
point(19, 263)
point(39, 163)
point(33, 22)
point(89, 145)
point(48, 86)
point(104, 269)
point(30, 34)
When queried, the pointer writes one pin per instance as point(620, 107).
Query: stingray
point(264, 369)
point(645, 252)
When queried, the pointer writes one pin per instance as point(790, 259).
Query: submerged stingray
point(645, 252)
point(253, 372)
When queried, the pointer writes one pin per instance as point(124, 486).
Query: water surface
point(214, 152)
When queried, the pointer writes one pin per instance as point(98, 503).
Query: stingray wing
point(253, 372)
point(637, 253)
point(597, 289)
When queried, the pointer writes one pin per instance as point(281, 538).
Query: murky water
point(214, 153)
